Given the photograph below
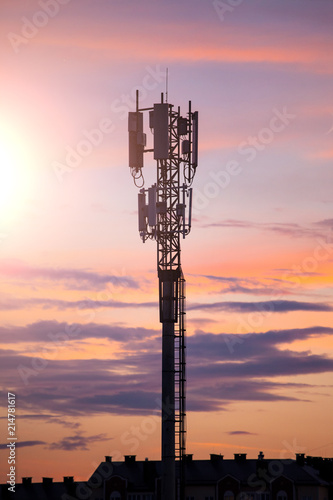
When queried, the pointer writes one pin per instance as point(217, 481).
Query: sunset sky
point(79, 328)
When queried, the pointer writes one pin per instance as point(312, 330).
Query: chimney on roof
point(108, 458)
point(68, 479)
point(188, 458)
point(261, 465)
point(240, 457)
point(26, 480)
point(300, 458)
point(149, 473)
point(214, 457)
point(326, 469)
point(130, 459)
point(316, 462)
point(47, 481)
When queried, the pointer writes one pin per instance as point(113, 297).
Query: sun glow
point(15, 173)
point(8, 174)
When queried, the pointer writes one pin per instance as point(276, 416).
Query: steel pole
point(168, 486)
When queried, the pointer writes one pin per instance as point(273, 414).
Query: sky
point(79, 326)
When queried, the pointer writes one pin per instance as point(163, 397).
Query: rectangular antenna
point(195, 140)
point(190, 210)
point(161, 131)
point(152, 205)
point(142, 211)
point(136, 139)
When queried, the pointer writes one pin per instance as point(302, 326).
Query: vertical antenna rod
point(166, 84)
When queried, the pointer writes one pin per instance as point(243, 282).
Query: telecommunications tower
point(165, 216)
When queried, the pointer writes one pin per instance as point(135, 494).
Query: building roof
point(243, 470)
point(144, 475)
point(46, 490)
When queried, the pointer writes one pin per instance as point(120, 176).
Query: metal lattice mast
point(163, 218)
point(169, 273)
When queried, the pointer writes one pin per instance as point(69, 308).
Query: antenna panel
point(160, 121)
point(195, 139)
point(136, 139)
point(182, 126)
point(185, 147)
point(142, 212)
point(152, 206)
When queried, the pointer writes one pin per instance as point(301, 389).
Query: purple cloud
point(77, 279)
point(23, 444)
point(77, 442)
point(221, 368)
point(269, 306)
point(241, 433)
point(285, 229)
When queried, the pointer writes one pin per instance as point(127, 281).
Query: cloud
point(223, 279)
point(23, 444)
point(221, 368)
point(77, 442)
point(244, 347)
point(243, 47)
point(252, 286)
point(270, 306)
point(51, 419)
point(254, 291)
point(285, 229)
point(201, 321)
point(203, 398)
point(66, 423)
point(126, 400)
point(59, 334)
point(12, 303)
point(325, 223)
point(241, 433)
point(287, 364)
point(234, 41)
point(73, 279)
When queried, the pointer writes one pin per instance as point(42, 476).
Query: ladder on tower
point(180, 388)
